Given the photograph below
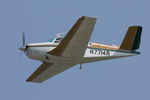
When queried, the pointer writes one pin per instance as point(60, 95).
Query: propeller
point(23, 39)
point(23, 47)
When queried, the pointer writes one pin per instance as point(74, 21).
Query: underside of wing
point(46, 71)
point(75, 42)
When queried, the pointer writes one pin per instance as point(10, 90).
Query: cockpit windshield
point(51, 40)
point(56, 39)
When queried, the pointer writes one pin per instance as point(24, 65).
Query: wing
point(75, 42)
point(46, 71)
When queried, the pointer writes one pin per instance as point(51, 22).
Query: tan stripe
point(104, 47)
point(41, 69)
point(60, 48)
point(94, 46)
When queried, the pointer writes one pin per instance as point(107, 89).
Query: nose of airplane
point(24, 49)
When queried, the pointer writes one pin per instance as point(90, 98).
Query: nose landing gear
point(47, 58)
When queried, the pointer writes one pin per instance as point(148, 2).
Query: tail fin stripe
point(136, 43)
point(132, 38)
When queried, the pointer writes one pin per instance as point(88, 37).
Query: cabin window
point(58, 40)
point(90, 44)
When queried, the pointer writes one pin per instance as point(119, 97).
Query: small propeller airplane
point(59, 54)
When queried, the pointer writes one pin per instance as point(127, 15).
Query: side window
point(89, 43)
point(59, 39)
point(56, 41)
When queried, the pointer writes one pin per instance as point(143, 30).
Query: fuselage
point(94, 52)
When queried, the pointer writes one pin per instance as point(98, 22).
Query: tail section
point(132, 38)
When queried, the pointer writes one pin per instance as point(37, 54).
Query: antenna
point(60, 34)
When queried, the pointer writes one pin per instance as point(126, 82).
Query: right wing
point(75, 42)
point(46, 71)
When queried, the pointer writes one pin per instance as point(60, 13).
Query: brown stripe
point(63, 44)
point(41, 69)
point(129, 38)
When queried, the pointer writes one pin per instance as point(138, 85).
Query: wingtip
point(88, 17)
point(28, 80)
point(31, 81)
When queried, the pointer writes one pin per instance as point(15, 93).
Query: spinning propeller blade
point(23, 47)
point(23, 39)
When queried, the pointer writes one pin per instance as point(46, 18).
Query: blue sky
point(120, 79)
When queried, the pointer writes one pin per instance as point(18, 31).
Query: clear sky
point(120, 79)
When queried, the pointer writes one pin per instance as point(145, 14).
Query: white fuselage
point(38, 51)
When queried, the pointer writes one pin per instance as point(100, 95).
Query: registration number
point(100, 52)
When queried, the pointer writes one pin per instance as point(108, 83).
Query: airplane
point(62, 53)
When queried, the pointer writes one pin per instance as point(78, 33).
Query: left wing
point(46, 71)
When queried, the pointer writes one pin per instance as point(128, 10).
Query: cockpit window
point(58, 40)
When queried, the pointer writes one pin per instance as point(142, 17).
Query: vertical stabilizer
point(132, 38)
